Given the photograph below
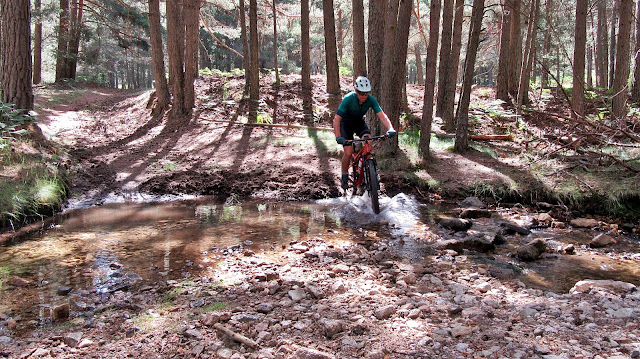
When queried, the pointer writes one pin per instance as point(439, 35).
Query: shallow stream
point(110, 247)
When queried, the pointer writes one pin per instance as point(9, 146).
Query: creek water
point(108, 247)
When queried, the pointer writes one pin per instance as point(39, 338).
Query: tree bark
point(525, 70)
point(451, 73)
point(15, 42)
point(445, 58)
point(307, 100)
point(359, 52)
point(275, 43)
point(419, 67)
point(192, 40)
point(620, 89)
point(546, 47)
point(635, 88)
point(430, 69)
point(175, 48)
point(602, 53)
point(504, 67)
point(462, 130)
point(254, 63)
point(515, 54)
point(612, 43)
point(37, 43)
point(388, 54)
point(377, 11)
point(333, 76)
point(245, 46)
point(157, 57)
point(63, 41)
point(577, 95)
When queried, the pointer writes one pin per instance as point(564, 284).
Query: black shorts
point(349, 127)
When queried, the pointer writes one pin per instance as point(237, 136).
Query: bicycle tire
point(372, 184)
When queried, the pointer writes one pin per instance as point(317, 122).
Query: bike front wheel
point(372, 184)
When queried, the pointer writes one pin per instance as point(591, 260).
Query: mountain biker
point(349, 120)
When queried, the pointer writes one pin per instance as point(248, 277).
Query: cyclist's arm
point(385, 120)
point(336, 125)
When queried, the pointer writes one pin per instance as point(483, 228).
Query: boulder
point(472, 202)
point(612, 285)
point(510, 228)
point(475, 213)
point(602, 240)
point(456, 224)
point(584, 222)
point(474, 244)
point(532, 250)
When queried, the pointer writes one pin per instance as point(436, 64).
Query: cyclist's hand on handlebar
point(340, 140)
point(391, 133)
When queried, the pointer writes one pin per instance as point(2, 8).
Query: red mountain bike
point(364, 170)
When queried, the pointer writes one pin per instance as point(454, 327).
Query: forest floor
point(317, 299)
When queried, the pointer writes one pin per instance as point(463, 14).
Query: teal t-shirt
point(350, 109)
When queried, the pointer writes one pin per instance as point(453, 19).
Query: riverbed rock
point(510, 228)
point(602, 240)
point(385, 312)
point(297, 295)
point(612, 285)
point(532, 250)
point(475, 213)
point(456, 224)
point(470, 202)
point(72, 339)
point(458, 245)
point(584, 222)
point(331, 327)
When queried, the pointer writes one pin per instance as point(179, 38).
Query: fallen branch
point(235, 336)
point(508, 137)
point(278, 125)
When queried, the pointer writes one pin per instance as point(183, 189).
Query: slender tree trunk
point(157, 57)
point(339, 35)
point(37, 43)
point(63, 40)
point(254, 63)
point(578, 57)
point(359, 53)
point(635, 88)
point(546, 52)
point(307, 100)
point(602, 53)
point(15, 42)
point(175, 48)
point(504, 66)
point(333, 76)
point(612, 43)
point(621, 78)
point(589, 66)
point(77, 12)
point(419, 68)
point(515, 54)
point(377, 11)
point(192, 40)
point(445, 58)
point(275, 44)
point(462, 130)
point(523, 86)
point(449, 95)
point(245, 46)
point(390, 32)
point(431, 58)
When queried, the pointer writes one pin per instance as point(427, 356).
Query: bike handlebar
point(381, 137)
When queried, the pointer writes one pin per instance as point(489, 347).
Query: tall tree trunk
point(377, 11)
point(504, 66)
point(546, 47)
point(157, 57)
point(621, 78)
point(15, 42)
point(602, 53)
point(37, 43)
point(525, 70)
point(445, 58)
point(577, 95)
point(339, 35)
point(254, 63)
point(612, 43)
point(63, 41)
point(419, 68)
point(589, 66)
point(245, 46)
point(390, 32)
point(275, 43)
point(462, 130)
point(430, 69)
point(333, 76)
point(192, 40)
point(635, 88)
point(175, 48)
point(515, 54)
point(307, 100)
point(451, 73)
point(359, 52)
point(77, 10)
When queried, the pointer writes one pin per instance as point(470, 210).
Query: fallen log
point(235, 336)
point(508, 137)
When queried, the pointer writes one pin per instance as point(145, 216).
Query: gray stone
point(456, 224)
point(297, 294)
point(331, 327)
point(475, 213)
point(385, 312)
point(193, 333)
point(264, 308)
point(532, 250)
point(584, 223)
point(458, 245)
point(612, 285)
point(64, 290)
point(472, 202)
point(315, 291)
point(602, 240)
point(461, 331)
point(72, 339)
point(307, 353)
point(510, 228)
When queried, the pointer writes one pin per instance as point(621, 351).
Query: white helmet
point(362, 84)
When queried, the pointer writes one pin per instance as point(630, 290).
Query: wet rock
point(568, 249)
point(458, 245)
point(64, 290)
point(456, 224)
point(331, 327)
point(612, 285)
point(385, 312)
point(584, 223)
point(499, 239)
point(532, 250)
point(475, 213)
point(510, 228)
point(472, 202)
point(61, 312)
point(72, 339)
point(307, 353)
point(602, 240)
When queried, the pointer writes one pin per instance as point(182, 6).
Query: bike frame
point(359, 158)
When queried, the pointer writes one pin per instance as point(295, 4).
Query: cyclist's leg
point(347, 132)
point(362, 129)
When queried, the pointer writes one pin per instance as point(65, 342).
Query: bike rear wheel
point(372, 184)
